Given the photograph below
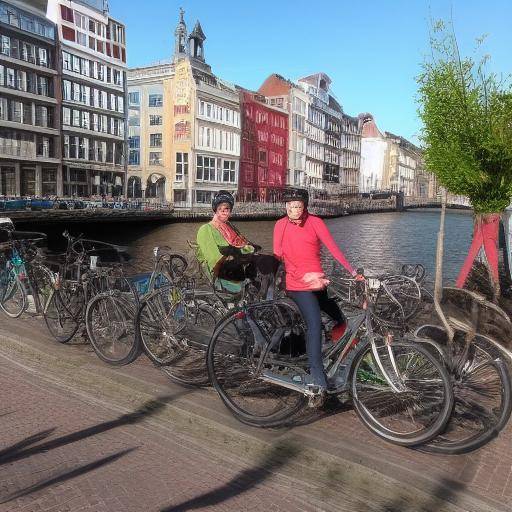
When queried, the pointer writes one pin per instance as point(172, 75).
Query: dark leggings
point(311, 303)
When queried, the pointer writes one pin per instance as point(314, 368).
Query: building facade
point(324, 142)
point(199, 126)
point(264, 149)
point(392, 163)
point(92, 55)
point(29, 99)
point(149, 132)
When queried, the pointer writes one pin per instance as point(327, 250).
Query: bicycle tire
point(63, 312)
point(13, 300)
point(156, 327)
point(109, 320)
point(188, 364)
point(384, 411)
point(482, 382)
point(231, 364)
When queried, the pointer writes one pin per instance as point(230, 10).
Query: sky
point(372, 50)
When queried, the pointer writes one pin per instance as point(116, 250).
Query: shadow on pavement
point(445, 491)
point(19, 451)
point(66, 475)
point(280, 454)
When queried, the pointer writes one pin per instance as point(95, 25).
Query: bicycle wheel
point(236, 368)
point(158, 321)
point(109, 320)
point(64, 310)
point(482, 390)
point(397, 300)
point(422, 406)
point(187, 362)
point(13, 296)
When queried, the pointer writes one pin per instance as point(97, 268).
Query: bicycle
point(477, 365)
point(111, 315)
point(400, 391)
point(175, 322)
point(78, 283)
point(24, 281)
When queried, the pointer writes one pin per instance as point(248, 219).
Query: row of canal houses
point(75, 121)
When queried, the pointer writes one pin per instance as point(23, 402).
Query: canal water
point(378, 242)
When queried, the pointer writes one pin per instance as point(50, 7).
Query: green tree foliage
point(467, 117)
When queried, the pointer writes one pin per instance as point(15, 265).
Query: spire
point(180, 37)
point(196, 42)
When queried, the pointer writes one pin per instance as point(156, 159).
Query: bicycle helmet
point(296, 194)
point(222, 196)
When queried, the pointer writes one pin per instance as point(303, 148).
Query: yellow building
point(184, 127)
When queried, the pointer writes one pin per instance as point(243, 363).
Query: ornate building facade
point(199, 126)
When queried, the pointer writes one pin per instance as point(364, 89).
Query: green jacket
point(209, 240)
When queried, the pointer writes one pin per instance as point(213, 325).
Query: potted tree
point(467, 118)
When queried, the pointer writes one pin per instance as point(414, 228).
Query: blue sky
point(371, 49)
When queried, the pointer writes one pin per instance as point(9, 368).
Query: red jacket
point(298, 245)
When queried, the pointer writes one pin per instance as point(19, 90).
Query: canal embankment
point(158, 213)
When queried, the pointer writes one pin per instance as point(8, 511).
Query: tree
point(467, 134)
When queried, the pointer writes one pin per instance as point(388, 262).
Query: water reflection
point(377, 242)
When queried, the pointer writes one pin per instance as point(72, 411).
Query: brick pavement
point(198, 449)
point(61, 454)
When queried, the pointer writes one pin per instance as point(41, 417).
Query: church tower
point(196, 43)
point(180, 38)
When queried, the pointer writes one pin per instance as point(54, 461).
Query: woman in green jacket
point(227, 253)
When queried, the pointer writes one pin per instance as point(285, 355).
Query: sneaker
point(316, 395)
point(338, 331)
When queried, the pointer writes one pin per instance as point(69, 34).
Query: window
point(49, 182)
point(180, 196)
point(6, 45)
point(155, 100)
point(68, 33)
point(81, 38)
point(155, 140)
point(155, 120)
point(66, 89)
point(76, 117)
point(181, 166)
point(262, 158)
point(134, 157)
point(134, 121)
point(66, 13)
point(134, 98)
point(66, 60)
point(11, 79)
point(76, 63)
point(204, 196)
point(205, 168)
point(155, 158)
point(81, 20)
point(134, 142)
point(85, 120)
point(66, 116)
point(229, 171)
point(43, 56)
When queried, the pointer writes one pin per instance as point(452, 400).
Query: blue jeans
point(310, 304)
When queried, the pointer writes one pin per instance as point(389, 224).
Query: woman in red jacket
point(297, 239)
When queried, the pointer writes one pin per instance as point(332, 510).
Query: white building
point(93, 59)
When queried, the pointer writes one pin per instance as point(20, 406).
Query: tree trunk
point(485, 235)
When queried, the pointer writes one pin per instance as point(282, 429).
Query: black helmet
point(222, 196)
point(296, 194)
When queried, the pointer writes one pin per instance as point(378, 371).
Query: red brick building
point(264, 149)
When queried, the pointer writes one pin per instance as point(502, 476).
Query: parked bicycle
point(175, 322)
